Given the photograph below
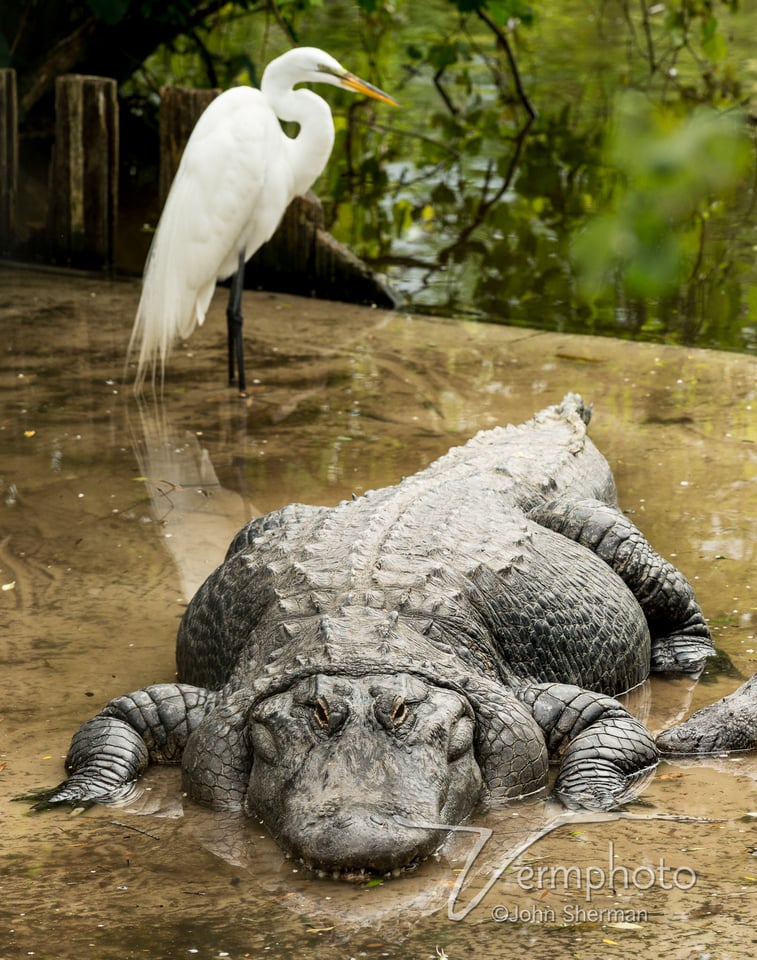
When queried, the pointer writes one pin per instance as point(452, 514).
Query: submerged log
point(84, 176)
point(303, 258)
point(8, 160)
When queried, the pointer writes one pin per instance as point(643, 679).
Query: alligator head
point(347, 770)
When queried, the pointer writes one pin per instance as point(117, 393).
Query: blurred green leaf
point(713, 42)
point(442, 194)
point(111, 11)
point(504, 10)
point(670, 170)
point(443, 55)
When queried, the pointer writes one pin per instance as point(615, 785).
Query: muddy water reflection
point(112, 514)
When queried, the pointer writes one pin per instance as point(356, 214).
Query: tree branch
point(283, 25)
point(62, 59)
point(485, 205)
point(442, 92)
point(96, 47)
point(505, 44)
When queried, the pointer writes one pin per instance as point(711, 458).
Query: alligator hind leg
point(606, 755)
point(680, 637)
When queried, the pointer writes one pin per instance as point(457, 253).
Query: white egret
point(237, 176)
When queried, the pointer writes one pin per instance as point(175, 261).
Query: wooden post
point(84, 178)
point(8, 160)
point(180, 109)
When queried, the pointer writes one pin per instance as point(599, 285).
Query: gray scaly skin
point(351, 675)
point(727, 725)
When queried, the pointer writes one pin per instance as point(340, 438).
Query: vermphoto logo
point(611, 875)
point(614, 876)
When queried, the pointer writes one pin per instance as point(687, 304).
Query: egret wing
point(230, 191)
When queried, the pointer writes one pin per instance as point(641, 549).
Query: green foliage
point(501, 11)
point(111, 11)
point(684, 48)
point(712, 40)
point(672, 175)
point(481, 222)
point(469, 205)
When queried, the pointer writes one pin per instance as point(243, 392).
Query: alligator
point(360, 677)
point(729, 724)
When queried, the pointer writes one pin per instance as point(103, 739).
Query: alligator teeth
point(361, 874)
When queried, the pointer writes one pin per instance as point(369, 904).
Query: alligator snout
point(335, 769)
point(362, 842)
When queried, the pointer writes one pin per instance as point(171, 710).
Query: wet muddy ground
point(111, 513)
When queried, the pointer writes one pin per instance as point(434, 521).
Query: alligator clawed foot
point(54, 798)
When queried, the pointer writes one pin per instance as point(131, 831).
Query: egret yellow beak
point(351, 82)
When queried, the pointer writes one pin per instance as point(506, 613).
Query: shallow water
point(111, 515)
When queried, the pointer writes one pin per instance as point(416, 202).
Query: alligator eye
point(321, 712)
point(399, 711)
point(391, 714)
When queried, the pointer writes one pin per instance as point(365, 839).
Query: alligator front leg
point(217, 761)
point(606, 755)
point(680, 637)
point(110, 751)
point(510, 747)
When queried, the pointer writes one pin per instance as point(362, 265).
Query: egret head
point(311, 65)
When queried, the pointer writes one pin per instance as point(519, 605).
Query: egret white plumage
point(238, 174)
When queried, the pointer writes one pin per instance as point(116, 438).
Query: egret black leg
point(234, 322)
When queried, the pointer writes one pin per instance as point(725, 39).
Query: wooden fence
point(82, 212)
point(8, 159)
